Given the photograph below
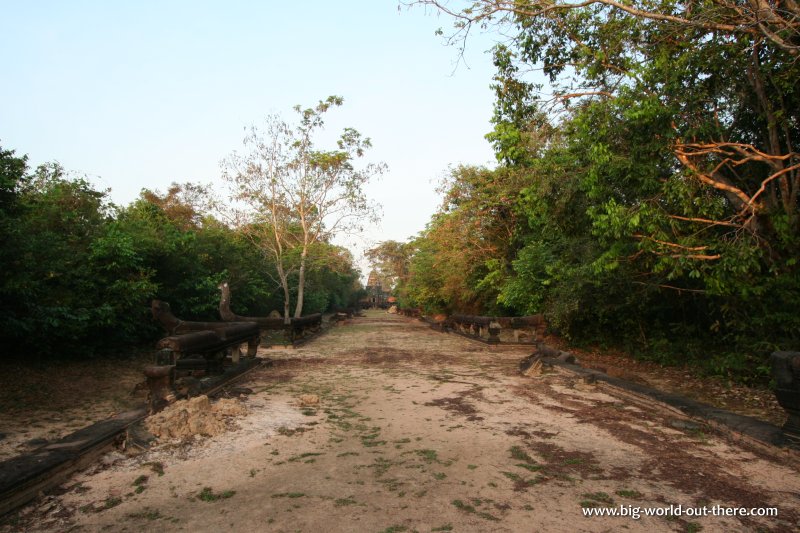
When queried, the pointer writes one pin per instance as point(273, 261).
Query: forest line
point(646, 193)
point(79, 272)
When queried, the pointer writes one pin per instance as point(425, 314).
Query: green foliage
point(391, 260)
point(298, 195)
point(78, 273)
point(655, 203)
point(64, 268)
point(208, 494)
point(331, 279)
point(463, 257)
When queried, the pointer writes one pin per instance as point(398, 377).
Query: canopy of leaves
point(77, 273)
point(648, 191)
point(293, 195)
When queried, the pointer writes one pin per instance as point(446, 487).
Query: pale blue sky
point(140, 94)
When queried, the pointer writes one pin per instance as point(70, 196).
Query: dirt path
point(419, 431)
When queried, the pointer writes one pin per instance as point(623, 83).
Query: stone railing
point(346, 312)
point(296, 330)
point(301, 329)
point(482, 328)
point(193, 350)
point(192, 338)
point(497, 330)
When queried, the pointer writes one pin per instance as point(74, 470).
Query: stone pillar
point(786, 373)
point(252, 347)
point(494, 332)
point(160, 385)
point(235, 353)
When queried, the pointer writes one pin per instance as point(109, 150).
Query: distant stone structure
point(377, 295)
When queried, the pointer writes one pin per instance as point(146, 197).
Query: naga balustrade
point(206, 339)
point(192, 350)
point(497, 330)
point(523, 329)
point(303, 328)
point(296, 330)
point(483, 328)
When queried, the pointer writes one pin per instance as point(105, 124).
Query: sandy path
point(419, 431)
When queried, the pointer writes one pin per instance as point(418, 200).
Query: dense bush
point(647, 198)
point(78, 273)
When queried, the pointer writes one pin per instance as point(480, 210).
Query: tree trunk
point(301, 283)
point(285, 286)
point(286, 318)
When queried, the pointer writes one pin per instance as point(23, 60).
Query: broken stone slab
point(308, 400)
point(529, 362)
point(23, 477)
point(544, 351)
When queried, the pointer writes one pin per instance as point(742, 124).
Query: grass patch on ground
point(147, 514)
point(429, 456)
point(208, 494)
point(596, 499)
point(110, 502)
point(520, 483)
point(156, 467)
point(306, 455)
point(369, 440)
point(518, 454)
point(529, 467)
point(381, 466)
point(467, 508)
point(289, 495)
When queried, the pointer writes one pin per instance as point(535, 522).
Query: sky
point(141, 94)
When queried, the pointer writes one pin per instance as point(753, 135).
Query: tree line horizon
point(78, 272)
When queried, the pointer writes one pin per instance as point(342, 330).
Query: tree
point(77, 272)
point(473, 237)
point(332, 278)
point(189, 253)
point(391, 259)
point(712, 82)
point(661, 196)
point(777, 22)
point(296, 194)
point(185, 204)
point(72, 283)
point(13, 176)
